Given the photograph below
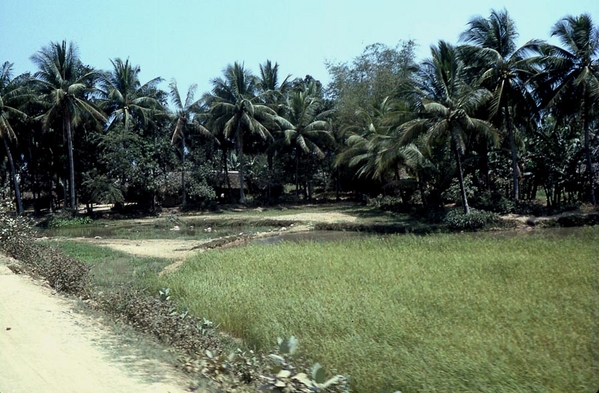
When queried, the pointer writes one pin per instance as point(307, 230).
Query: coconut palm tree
point(492, 56)
point(124, 97)
point(273, 92)
point(238, 111)
point(64, 84)
point(571, 77)
point(11, 93)
point(305, 125)
point(185, 120)
point(447, 103)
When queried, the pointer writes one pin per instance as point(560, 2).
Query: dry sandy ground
point(180, 249)
point(45, 346)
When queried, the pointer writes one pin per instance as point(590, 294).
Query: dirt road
point(45, 346)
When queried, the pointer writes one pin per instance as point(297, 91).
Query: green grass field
point(500, 312)
point(476, 313)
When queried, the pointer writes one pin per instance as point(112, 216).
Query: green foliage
point(64, 220)
point(284, 376)
point(158, 316)
point(17, 240)
point(456, 219)
point(387, 203)
point(492, 202)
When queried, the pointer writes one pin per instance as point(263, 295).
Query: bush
point(17, 240)
point(477, 219)
point(157, 316)
point(65, 219)
point(492, 202)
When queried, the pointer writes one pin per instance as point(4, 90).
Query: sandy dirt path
point(47, 347)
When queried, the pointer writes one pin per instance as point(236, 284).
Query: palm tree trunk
point(241, 163)
point(458, 159)
point(184, 200)
point(270, 159)
point(297, 175)
point(67, 124)
point(587, 153)
point(15, 180)
point(227, 179)
point(515, 169)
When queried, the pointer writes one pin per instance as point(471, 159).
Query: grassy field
point(472, 312)
point(420, 314)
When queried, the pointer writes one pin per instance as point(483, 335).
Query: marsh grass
point(421, 314)
point(111, 269)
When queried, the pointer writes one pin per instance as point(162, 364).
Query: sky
point(192, 41)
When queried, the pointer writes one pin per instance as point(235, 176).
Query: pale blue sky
point(192, 41)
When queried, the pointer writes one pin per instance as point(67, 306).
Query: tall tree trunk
point(184, 201)
point(515, 169)
point(421, 188)
point(270, 160)
point(15, 180)
point(297, 153)
point(227, 179)
point(587, 152)
point(241, 163)
point(458, 160)
point(67, 124)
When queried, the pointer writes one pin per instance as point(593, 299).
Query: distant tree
point(571, 78)
point(64, 84)
point(365, 82)
point(124, 97)
point(185, 121)
point(11, 96)
point(272, 90)
point(238, 111)
point(498, 65)
point(305, 125)
point(447, 104)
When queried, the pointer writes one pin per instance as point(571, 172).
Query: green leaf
point(318, 373)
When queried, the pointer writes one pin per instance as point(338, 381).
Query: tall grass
point(421, 314)
point(111, 269)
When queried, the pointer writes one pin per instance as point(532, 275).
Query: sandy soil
point(159, 248)
point(45, 346)
point(180, 249)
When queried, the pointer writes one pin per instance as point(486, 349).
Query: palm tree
point(447, 103)
point(63, 83)
point(273, 92)
point(305, 125)
point(185, 116)
point(125, 97)
point(11, 91)
point(571, 76)
point(504, 70)
point(237, 110)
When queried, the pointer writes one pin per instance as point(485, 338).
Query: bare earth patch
point(178, 250)
point(45, 346)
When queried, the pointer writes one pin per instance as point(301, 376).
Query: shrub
point(158, 316)
point(477, 219)
point(387, 203)
point(17, 240)
point(65, 219)
point(492, 202)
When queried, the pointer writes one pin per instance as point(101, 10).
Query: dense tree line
point(480, 122)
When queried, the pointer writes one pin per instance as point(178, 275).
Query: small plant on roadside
point(284, 377)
